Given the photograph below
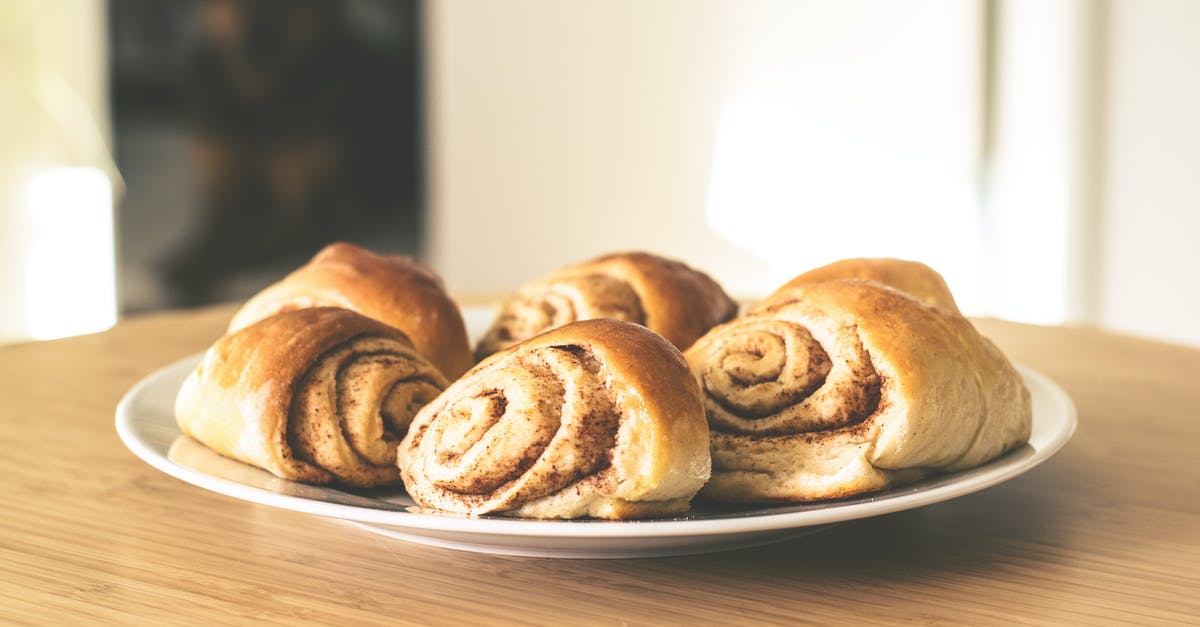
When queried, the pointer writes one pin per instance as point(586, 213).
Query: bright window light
point(853, 129)
point(798, 192)
point(71, 284)
point(1035, 161)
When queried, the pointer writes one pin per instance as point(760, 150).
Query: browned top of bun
point(668, 297)
point(680, 302)
point(911, 277)
point(394, 289)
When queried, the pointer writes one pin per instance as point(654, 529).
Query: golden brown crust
point(315, 395)
point(668, 297)
point(908, 389)
point(911, 277)
point(596, 418)
point(394, 289)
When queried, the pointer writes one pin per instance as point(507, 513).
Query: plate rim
point(902, 498)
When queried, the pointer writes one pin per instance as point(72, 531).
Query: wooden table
point(1106, 531)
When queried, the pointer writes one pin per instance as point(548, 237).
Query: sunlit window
point(857, 138)
point(70, 282)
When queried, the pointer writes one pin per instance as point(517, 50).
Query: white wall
point(560, 130)
point(1150, 255)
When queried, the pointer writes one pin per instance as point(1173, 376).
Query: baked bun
point(666, 296)
point(396, 290)
point(598, 418)
point(318, 395)
point(834, 388)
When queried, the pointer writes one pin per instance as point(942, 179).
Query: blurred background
point(158, 154)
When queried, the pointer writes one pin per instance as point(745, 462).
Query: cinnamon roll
point(396, 290)
point(834, 388)
point(666, 296)
point(598, 418)
point(317, 395)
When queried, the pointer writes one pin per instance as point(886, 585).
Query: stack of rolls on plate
point(619, 387)
point(353, 370)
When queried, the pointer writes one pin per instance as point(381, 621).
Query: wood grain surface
point(1108, 531)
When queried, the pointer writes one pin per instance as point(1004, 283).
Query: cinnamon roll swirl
point(666, 296)
point(834, 388)
point(598, 418)
point(316, 395)
point(396, 290)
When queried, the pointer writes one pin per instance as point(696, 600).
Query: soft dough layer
point(668, 297)
point(316, 395)
point(598, 418)
point(837, 387)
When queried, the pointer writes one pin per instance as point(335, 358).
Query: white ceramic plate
point(146, 424)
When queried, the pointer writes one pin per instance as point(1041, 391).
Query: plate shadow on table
point(968, 534)
point(971, 534)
